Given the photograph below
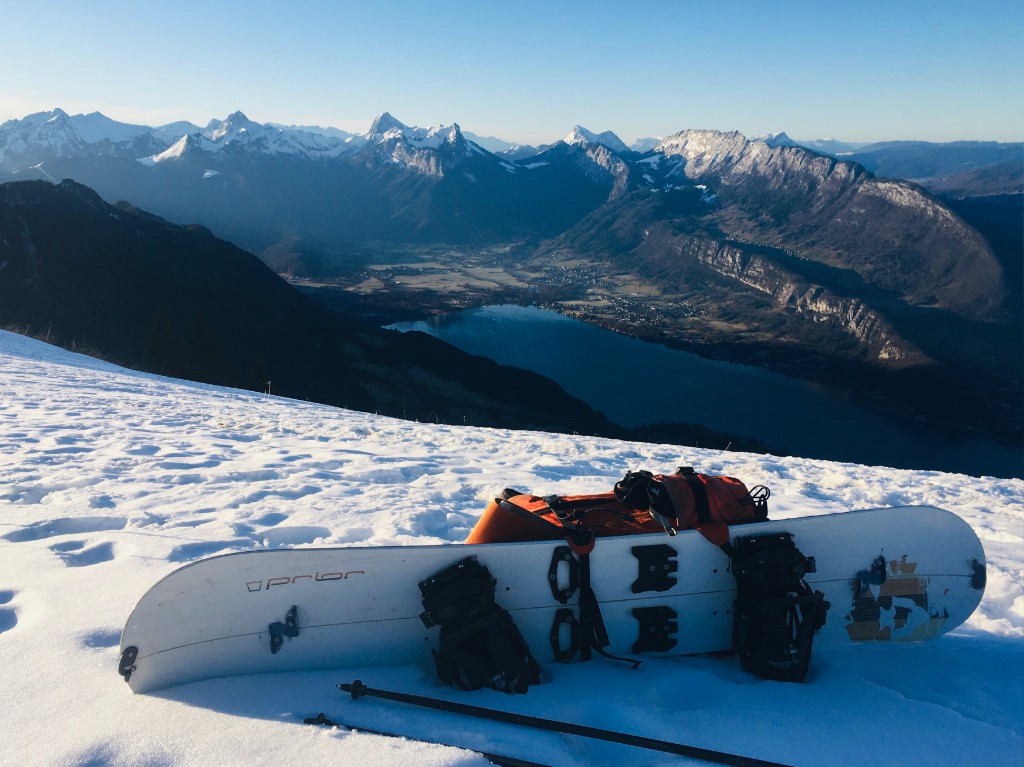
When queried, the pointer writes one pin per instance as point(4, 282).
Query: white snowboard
point(361, 606)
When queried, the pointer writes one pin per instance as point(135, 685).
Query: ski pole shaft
point(358, 690)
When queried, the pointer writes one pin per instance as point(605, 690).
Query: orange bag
point(523, 517)
point(641, 503)
point(687, 500)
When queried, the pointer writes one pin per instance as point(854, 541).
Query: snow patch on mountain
point(775, 139)
point(337, 133)
point(492, 144)
point(173, 152)
point(58, 134)
point(241, 133)
point(520, 152)
point(415, 147)
point(388, 128)
point(907, 195)
point(704, 147)
point(51, 133)
point(646, 144)
point(95, 127)
point(237, 129)
point(171, 132)
point(385, 122)
point(195, 142)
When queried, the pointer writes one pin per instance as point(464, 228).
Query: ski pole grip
point(357, 688)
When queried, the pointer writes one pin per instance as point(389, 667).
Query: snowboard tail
point(891, 575)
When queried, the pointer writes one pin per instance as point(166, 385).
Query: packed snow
point(111, 479)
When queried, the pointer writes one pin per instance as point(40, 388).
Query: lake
point(635, 382)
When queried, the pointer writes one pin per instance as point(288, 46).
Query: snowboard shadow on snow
point(956, 683)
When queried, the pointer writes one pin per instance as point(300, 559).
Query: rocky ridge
point(815, 302)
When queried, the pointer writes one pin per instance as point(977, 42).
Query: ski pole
point(358, 690)
point(496, 759)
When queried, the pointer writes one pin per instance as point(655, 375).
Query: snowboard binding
point(776, 614)
point(480, 645)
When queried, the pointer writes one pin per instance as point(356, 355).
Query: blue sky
point(529, 71)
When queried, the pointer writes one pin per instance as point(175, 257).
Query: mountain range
point(759, 250)
point(130, 287)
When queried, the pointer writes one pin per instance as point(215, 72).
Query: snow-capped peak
point(95, 127)
point(43, 134)
point(580, 135)
point(385, 123)
point(55, 133)
point(239, 131)
point(316, 129)
point(235, 126)
point(712, 143)
point(171, 132)
point(387, 128)
point(441, 134)
point(177, 150)
point(775, 139)
point(646, 144)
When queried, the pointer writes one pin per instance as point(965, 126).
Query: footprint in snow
point(293, 536)
point(102, 502)
point(143, 450)
point(209, 463)
point(66, 546)
point(272, 519)
point(94, 555)
point(8, 619)
point(101, 639)
point(189, 551)
point(66, 526)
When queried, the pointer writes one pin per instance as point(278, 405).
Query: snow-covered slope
point(110, 479)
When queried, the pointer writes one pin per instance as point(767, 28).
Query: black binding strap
point(533, 519)
point(593, 634)
point(700, 493)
